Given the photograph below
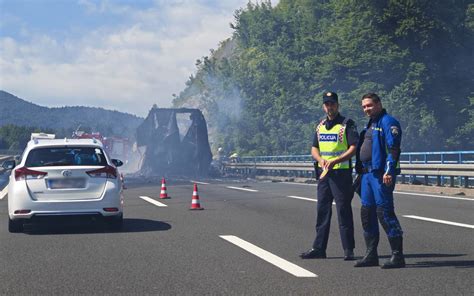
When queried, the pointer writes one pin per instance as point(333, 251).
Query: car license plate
point(66, 183)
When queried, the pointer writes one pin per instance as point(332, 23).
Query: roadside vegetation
point(261, 90)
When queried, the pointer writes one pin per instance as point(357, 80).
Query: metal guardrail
point(405, 157)
point(302, 166)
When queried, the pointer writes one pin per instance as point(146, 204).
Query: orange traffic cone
point(163, 194)
point(195, 205)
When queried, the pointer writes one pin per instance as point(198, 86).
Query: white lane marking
point(293, 183)
point(269, 257)
point(197, 182)
point(303, 198)
point(439, 221)
point(4, 192)
point(306, 198)
point(400, 192)
point(151, 200)
point(432, 195)
point(244, 189)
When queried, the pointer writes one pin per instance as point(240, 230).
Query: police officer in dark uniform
point(377, 159)
point(334, 144)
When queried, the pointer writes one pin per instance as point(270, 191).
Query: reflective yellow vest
point(333, 142)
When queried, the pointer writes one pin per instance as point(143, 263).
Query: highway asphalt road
point(246, 241)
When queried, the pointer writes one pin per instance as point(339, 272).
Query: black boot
point(397, 260)
point(313, 254)
point(371, 257)
point(349, 255)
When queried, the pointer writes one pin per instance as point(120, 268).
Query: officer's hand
point(322, 163)
point(329, 165)
point(387, 179)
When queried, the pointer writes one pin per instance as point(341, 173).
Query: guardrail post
point(438, 180)
point(403, 179)
point(442, 161)
point(254, 173)
point(466, 182)
point(427, 182)
point(451, 181)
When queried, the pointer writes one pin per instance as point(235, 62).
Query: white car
point(64, 178)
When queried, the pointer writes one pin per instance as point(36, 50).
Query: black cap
point(330, 97)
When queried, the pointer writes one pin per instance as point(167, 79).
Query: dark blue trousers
point(377, 204)
point(337, 186)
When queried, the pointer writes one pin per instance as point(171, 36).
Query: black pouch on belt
point(356, 184)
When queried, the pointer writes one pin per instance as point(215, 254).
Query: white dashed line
point(439, 221)
point(401, 192)
point(432, 195)
point(305, 198)
point(4, 192)
point(151, 200)
point(269, 257)
point(293, 183)
point(244, 189)
point(197, 182)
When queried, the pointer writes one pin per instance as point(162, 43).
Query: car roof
point(64, 142)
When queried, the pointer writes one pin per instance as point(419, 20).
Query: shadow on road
point(412, 263)
point(130, 225)
point(438, 263)
point(454, 263)
point(433, 255)
point(143, 225)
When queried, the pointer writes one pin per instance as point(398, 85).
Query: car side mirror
point(117, 162)
point(8, 164)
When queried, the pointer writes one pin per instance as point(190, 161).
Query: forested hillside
point(18, 118)
point(261, 90)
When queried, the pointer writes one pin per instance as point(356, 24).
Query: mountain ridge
point(17, 111)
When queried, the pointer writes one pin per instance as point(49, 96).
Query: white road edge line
point(244, 189)
point(197, 182)
point(269, 257)
point(439, 221)
point(432, 195)
point(152, 201)
point(305, 198)
point(4, 192)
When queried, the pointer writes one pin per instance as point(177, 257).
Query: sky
point(123, 55)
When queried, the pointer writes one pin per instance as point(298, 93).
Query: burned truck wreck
point(176, 143)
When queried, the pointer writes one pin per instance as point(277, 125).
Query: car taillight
point(111, 209)
point(22, 212)
point(25, 173)
point(105, 172)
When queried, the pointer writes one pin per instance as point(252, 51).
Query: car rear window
point(70, 156)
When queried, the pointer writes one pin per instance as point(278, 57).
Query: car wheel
point(15, 226)
point(115, 222)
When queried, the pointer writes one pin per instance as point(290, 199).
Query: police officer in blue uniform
point(377, 159)
point(334, 144)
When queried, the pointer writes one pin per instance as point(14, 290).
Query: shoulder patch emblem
point(394, 130)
